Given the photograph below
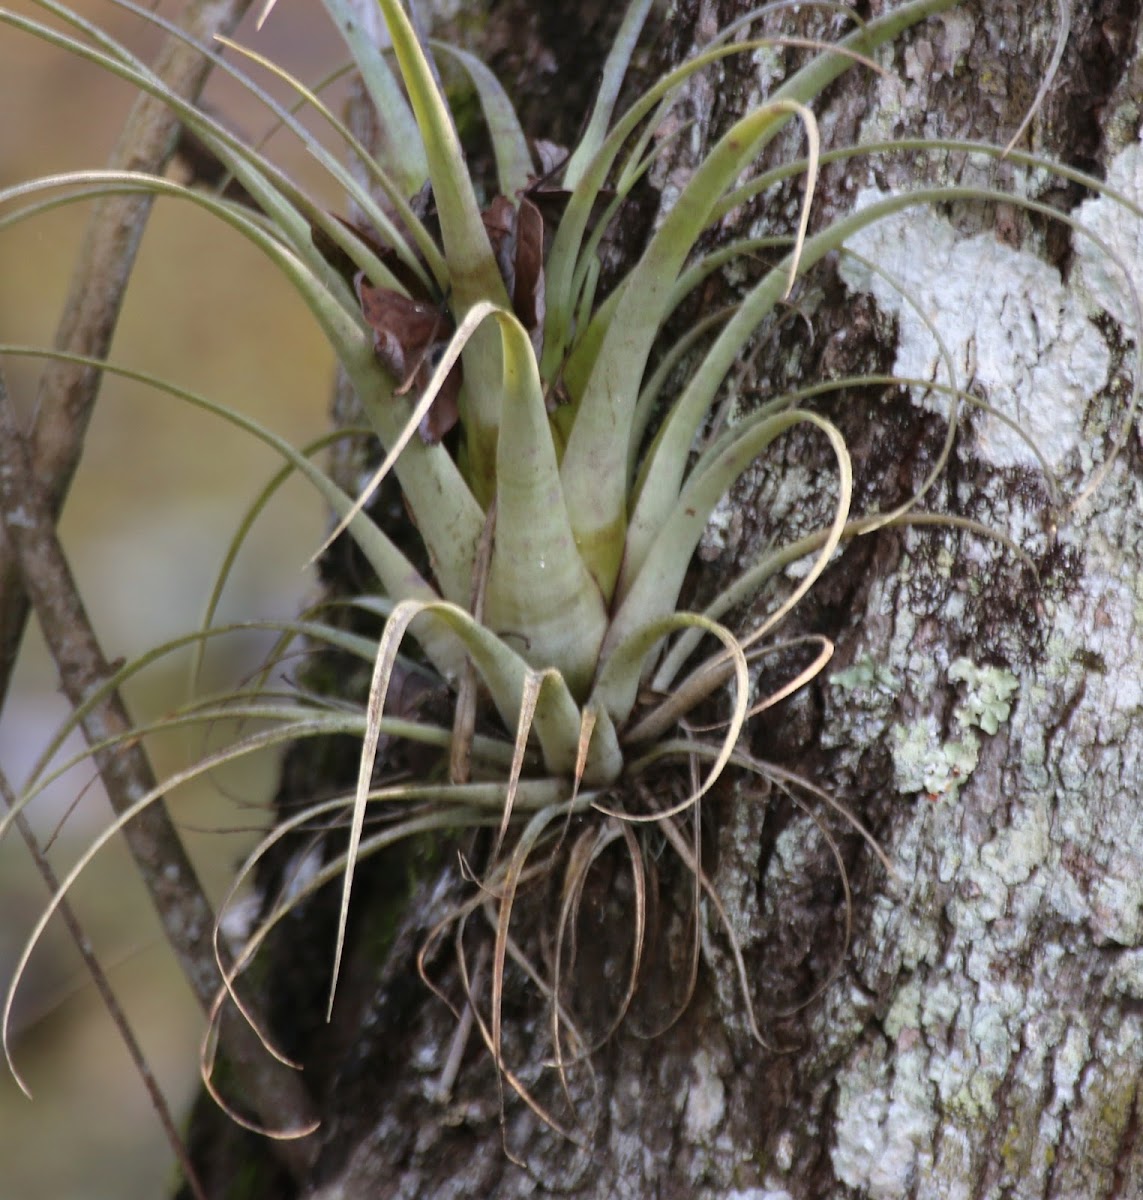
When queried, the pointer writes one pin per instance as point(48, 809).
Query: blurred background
point(159, 493)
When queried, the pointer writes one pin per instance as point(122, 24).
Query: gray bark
point(982, 1033)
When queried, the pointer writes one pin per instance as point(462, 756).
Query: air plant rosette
point(551, 476)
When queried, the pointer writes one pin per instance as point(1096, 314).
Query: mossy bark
point(981, 1034)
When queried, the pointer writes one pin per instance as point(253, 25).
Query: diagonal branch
point(107, 995)
point(275, 1092)
point(67, 392)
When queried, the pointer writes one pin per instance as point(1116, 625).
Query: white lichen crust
point(1000, 1048)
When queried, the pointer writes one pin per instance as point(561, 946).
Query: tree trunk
point(981, 1034)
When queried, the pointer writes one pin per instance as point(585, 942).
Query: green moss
point(1110, 1103)
point(414, 862)
point(1018, 1147)
point(247, 1182)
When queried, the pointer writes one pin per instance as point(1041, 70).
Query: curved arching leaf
point(655, 588)
point(514, 165)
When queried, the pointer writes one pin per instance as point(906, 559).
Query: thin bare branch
point(107, 995)
point(188, 919)
point(67, 392)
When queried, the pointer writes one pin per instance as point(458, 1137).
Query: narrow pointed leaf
point(802, 87)
point(397, 574)
point(665, 466)
point(395, 191)
point(595, 461)
point(473, 271)
point(514, 165)
point(400, 148)
point(538, 586)
point(614, 72)
point(473, 266)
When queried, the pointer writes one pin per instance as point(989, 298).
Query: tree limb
point(275, 1092)
point(107, 995)
point(67, 392)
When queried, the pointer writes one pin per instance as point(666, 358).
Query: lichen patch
point(1013, 330)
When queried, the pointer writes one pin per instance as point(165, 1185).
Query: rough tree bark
point(982, 1035)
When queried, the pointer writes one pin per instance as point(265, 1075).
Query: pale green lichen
point(885, 1122)
point(1026, 896)
point(987, 704)
point(922, 761)
point(905, 1011)
point(865, 675)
